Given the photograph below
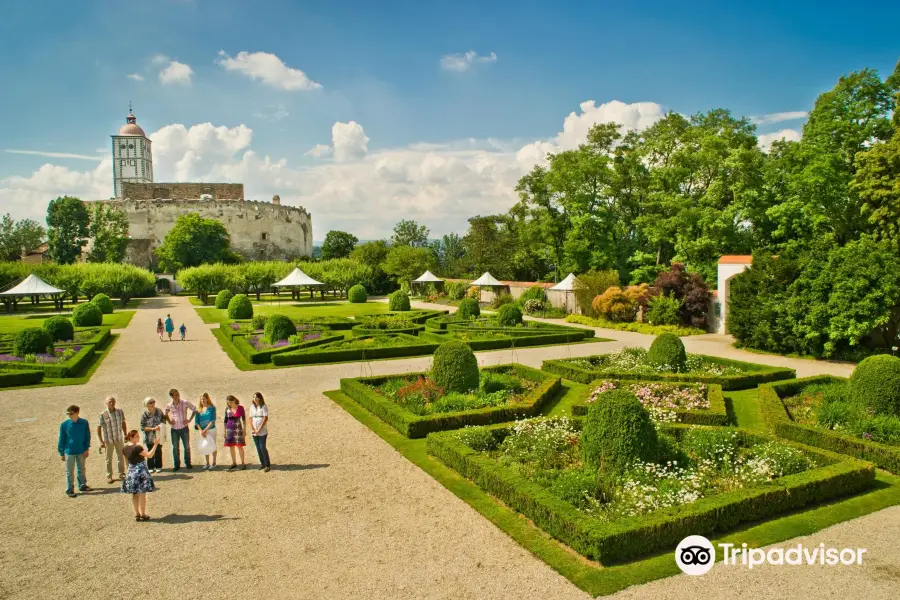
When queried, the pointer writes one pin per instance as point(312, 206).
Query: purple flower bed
point(260, 344)
point(235, 326)
point(45, 358)
point(10, 358)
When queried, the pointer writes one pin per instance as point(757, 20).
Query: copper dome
point(131, 127)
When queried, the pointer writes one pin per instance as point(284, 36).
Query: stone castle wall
point(182, 191)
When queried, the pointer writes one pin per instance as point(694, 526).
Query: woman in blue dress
point(205, 422)
point(170, 326)
point(137, 480)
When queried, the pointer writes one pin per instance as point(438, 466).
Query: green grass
point(101, 353)
point(592, 577)
point(743, 407)
point(298, 312)
point(13, 323)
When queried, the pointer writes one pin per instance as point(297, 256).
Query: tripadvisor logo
point(696, 555)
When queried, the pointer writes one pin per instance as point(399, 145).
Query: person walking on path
point(235, 424)
point(206, 424)
point(111, 430)
point(159, 329)
point(177, 415)
point(182, 330)
point(170, 326)
point(138, 482)
point(73, 446)
point(151, 425)
point(259, 420)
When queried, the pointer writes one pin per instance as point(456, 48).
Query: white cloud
point(136, 76)
point(269, 69)
point(159, 60)
point(319, 151)
point(764, 141)
point(176, 73)
point(779, 117)
point(464, 62)
point(56, 154)
point(349, 141)
point(272, 113)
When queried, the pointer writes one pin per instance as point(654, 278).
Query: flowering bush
point(634, 360)
point(660, 399)
point(532, 306)
point(541, 444)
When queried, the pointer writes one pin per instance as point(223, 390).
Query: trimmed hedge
point(33, 340)
point(357, 294)
point(454, 367)
point(631, 537)
point(325, 355)
point(667, 350)
point(103, 302)
point(509, 315)
point(468, 309)
point(59, 328)
point(70, 368)
point(99, 338)
point(18, 377)
point(87, 315)
point(223, 298)
point(716, 414)
point(779, 422)
point(756, 375)
point(240, 307)
point(277, 328)
point(362, 330)
point(875, 384)
point(538, 339)
point(398, 301)
point(258, 357)
point(418, 426)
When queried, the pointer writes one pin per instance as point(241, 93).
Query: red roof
point(736, 259)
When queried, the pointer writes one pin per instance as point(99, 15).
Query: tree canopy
point(68, 229)
point(193, 241)
point(338, 244)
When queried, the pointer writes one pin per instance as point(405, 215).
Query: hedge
point(362, 330)
point(779, 422)
point(537, 339)
point(325, 355)
point(19, 377)
point(99, 338)
point(631, 537)
point(757, 373)
point(418, 426)
point(532, 328)
point(715, 415)
point(258, 357)
point(69, 368)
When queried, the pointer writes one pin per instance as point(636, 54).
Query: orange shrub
point(615, 304)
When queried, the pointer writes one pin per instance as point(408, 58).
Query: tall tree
point(109, 231)
point(194, 241)
point(373, 254)
point(19, 236)
point(449, 252)
point(67, 229)
point(338, 244)
point(410, 233)
point(406, 263)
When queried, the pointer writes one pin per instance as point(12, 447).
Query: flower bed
point(381, 325)
point(630, 363)
point(18, 377)
point(740, 477)
point(379, 396)
point(479, 340)
point(806, 429)
point(359, 348)
point(88, 335)
point(696, 404)
point(258, 351)
point(64, 361)
point(526, 328)
point(245, 328)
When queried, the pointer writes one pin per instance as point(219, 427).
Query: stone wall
point(182, 191)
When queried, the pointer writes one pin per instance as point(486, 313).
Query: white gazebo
point(566, 286)
point(298, 279)
point(30, 287)
point(489, 281)
point(426, 278)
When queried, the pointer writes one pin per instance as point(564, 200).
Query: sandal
point(137, 518)
point(145, 517)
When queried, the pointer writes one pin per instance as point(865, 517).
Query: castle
point(258, 230)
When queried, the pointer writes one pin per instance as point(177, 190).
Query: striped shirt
point(149, 419)
point(111, 425)
point(178, 415)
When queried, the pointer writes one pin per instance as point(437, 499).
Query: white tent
point(566, 285)
point(487, 280)
point(297, 278)
point(428, 277)
point(29, 287)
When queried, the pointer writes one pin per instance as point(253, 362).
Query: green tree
point(877, 181)
point(109, 230)
point(373, 254)
point(490, 246)
point(67, 229)
point(449, 253)
point(338, 244)
point(406, 263)
point(410, 233)
point(18, 236)
point(193, 241)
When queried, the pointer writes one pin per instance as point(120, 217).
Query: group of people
point(124, 444)
point(169, 328)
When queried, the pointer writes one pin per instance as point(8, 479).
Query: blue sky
point(65, 68)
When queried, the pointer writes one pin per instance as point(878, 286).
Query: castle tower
point(132, 159)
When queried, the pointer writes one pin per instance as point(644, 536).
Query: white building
point(132, 158)
point(728, 267)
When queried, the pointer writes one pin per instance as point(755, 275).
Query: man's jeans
point(73, 462)
point(183, 434)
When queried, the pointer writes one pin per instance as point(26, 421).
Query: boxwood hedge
point(17, 377)
point(416, 347)
point(69, 368)
point(716, 414)
point(258, 357)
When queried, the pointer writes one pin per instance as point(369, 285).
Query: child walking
point(182, 330)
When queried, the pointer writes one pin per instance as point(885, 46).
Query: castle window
point(264, 236)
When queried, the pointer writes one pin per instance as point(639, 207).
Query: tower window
point(264, 236)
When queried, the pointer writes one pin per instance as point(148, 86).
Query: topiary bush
point(103, 302)
point(277, 328)
point(33, 340)
point(357, 294)
point(240, 307)
point(875, 384)
point(509, 315)
point(87, 315)
point(667, 352)
point(398, 300)
point(59, 328)
point(469, 309)
point(618, 432)
point(259, 321)
point(223, 298)
point(455, 367)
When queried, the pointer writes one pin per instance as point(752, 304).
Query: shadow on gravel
point(175, 519)
point(298, 467)
point(170, 477)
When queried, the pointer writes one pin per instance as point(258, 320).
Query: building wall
point(182, 191)
point(719, 317)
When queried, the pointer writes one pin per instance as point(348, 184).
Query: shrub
point(103, 302)
point(509, 315)
point(834, 414)
point(501, 300)
point(469, 309)
point(667, 351)
point(875, 384)
point(690, 289)
point(277, 328)
point(533, 306)
point(664, 310)
point(614, 304)
point(259, 321)
point(592, 284)
point(456, 290)
point(87, 315)
point(240, 307)
point(535, 292)
point(474, 292)
point(398, 301)
point(493, 381)
point(455, 367)
point(618, 432)
point(357, 294)
point(33, 340)
point(223, 298)
point(59, 328)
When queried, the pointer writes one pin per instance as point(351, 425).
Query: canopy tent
point(32, 286)
point(487, 280)
point(297, 279)
point(566, 285)
point(428, 277)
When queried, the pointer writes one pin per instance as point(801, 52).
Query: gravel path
point(342, 514)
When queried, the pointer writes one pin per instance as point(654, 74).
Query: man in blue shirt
point(73, 447)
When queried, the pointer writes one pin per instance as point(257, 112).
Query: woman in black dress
point(137, 480)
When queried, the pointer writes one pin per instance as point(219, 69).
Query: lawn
point(298, 312)
point(12, 323)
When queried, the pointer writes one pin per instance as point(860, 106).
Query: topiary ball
point(59, 328)
point(259, 321)
point(103, 303)
point(398, 301)
point(87, 315)
point(240, 307)
point(875, 384)
point(223, 298)
point(357, 294)
point(278, 327)
point(667, 352)
point(469, 308)
point(509, 315)
point(618, 433)
point(455, 367)
point(33, 340)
